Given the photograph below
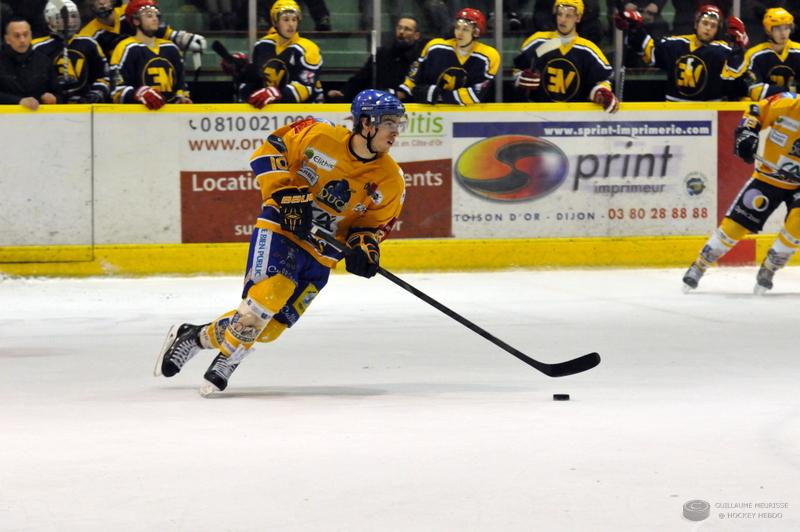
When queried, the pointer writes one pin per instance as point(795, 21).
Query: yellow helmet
point(577, 4)
point(776, 16)
point(284, 6)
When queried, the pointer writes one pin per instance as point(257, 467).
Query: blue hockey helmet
point(375, 104)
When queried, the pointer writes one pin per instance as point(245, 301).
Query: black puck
point(560, 397)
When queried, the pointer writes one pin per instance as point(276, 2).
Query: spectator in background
point(438, 18)
point(149, 69)
point(560, 66)
point(83, 75)
point(589, 26)
point(286, 64)
point(33, 12)
point(653, 23)
point(224, 14)
point(458, 70)
point(318, 11)
point(393, 63)
point(26, 76)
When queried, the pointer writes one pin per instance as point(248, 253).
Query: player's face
point(148, 21)
point(780, 34)
point(18, 36)
point(287, 24)
point(566, 19)
point(387, 131)
point(707, 28)
point(101, 8)
point(464, 32)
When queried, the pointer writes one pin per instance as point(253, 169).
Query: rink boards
point(121, 190)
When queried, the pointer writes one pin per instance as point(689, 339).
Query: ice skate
point(763, 280)
point(220, 371)
point(692, 277)
point(182, 343)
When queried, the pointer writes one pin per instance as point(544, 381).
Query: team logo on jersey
point(375, 195)
point(74, 72)
point(275, 71)
point(561, 79)
point(691, 75)
point(336, 194)
point(322, 160)
point(695, 183)
point(360, 208)
point(781, 75)
point(512, 168)
point(452, 78)
point(160, 74)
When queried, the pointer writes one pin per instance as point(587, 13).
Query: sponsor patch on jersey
point(788, 123)
point(778, 138)
point(788, 166)
point(322, 160)
point(336, 194)
point(795, 151)
point(309, 174)
point(360, 208)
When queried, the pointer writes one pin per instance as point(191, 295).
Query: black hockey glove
point(365, 256)
point(746, 144)
point(295, 205)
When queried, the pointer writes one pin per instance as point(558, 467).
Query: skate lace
point(185, 350)
point(223, 366)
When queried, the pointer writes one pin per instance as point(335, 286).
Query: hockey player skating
point(774, 181)
point(343, 181)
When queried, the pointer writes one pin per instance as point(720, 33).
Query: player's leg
point(726, 236)
point(748, 214)
point(310, 278)
point(782, 249)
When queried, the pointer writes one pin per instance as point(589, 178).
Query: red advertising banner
point(732, 173)
point(222, 206)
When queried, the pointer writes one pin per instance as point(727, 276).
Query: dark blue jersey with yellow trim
point(293, 67)
point(770, 72)
point(109, 36)
point(443, 74)
point(570, 69)
point(137, 64)
point(86, 68)
point(694, 69)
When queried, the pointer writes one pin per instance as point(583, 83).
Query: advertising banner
point(563, 174)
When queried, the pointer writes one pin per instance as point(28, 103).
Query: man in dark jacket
point(26, 76)
point(393, 64)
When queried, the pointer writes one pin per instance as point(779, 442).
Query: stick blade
point(571, 367)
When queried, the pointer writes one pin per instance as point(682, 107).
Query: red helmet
point(708, 10)
point(475, 17)
point(137, 5)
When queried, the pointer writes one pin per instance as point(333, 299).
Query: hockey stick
point(778, 173)
point(559, 369)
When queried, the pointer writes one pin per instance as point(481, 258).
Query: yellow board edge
point(399, 255)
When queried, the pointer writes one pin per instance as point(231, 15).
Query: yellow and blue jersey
point(85, 66)
point(137, 64)
point(770, 72)
point(442, 72)
point(293, 67)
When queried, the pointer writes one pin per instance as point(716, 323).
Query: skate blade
point(760, 290)
point(686, 288)
point(171, 335)
point(208, 390)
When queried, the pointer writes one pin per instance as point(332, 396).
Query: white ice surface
point(378, 413)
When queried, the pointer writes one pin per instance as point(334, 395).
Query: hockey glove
point(188, 42)
point(95, 97)
point(737, 32)
point(603, 96)
point(528, 79)
point(149, 97)
point(630, 19)
point(262, 97)
point(238, 62)
point(746, 144)
point(295, 206)
point(365, 256)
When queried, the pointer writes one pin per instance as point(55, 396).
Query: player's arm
point(186, 41)
point(181, 91)
point(123, 65)
point(301, 86)
point(371, 228)
point(599, 74)
point(414, 85)
point(524, 72)
point(100, 90)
